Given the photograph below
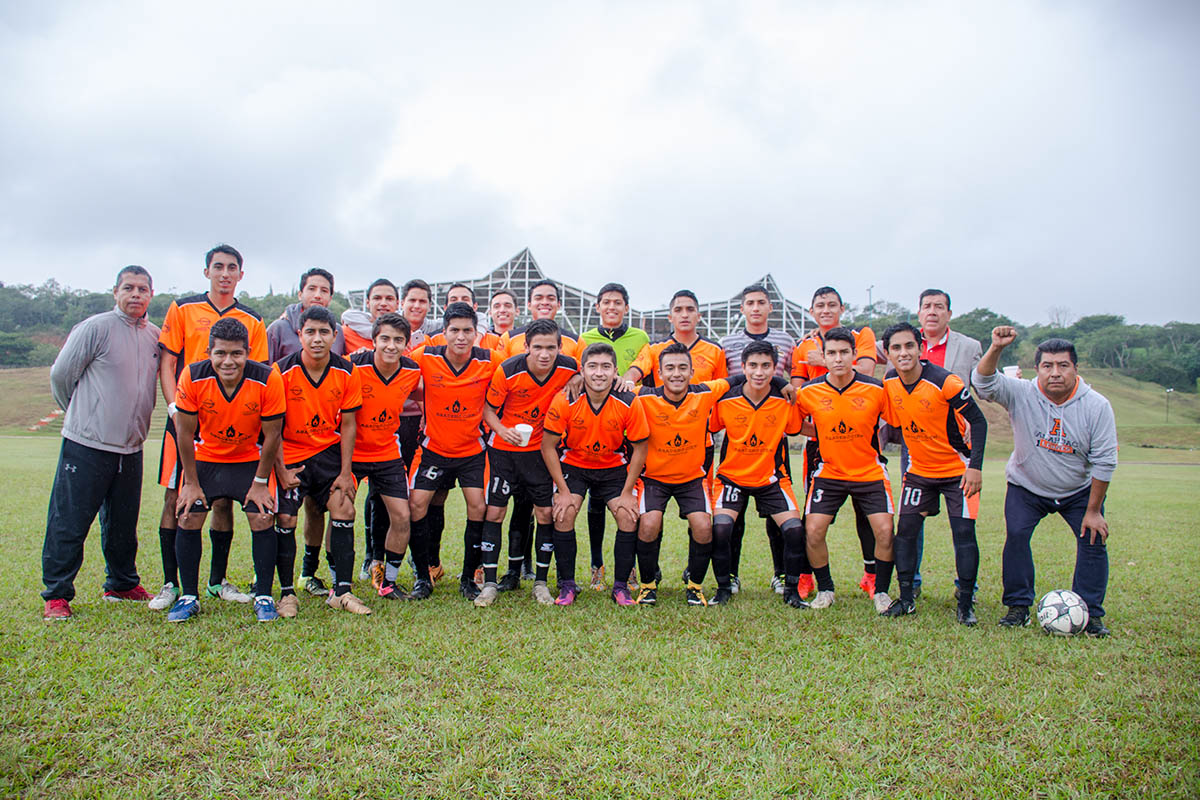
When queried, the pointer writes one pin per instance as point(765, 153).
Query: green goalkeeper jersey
point(627, 341)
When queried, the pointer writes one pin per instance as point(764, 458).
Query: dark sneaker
point(390, 590)
point(735, 584)
point(567, 592)
point(57, 609)
point(509, 581)
point(1017, 617)
point(314, 586)
point(966, 616)
point(687, 576)
point(184, 609)
point(792, 598)
point(468, 589)
point(421, 590)
point(916, 591)
point(264, 609)
point(528, 574)
point(1095, 628)
point(695, 595)
point(899, 608)
point(137, 594)
point(723, 597)
point(648, 596)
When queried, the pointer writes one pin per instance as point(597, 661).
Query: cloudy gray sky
point(1023, 155)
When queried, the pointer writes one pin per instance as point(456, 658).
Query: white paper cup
point(525, 431)
point(1013, 371)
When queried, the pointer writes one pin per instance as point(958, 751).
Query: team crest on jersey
point(741, 419)
point(858, 403)
point(534, 413)
point(315, 422)
point(661, 416)
point(826, 403)
point(296, 391)
point(925, 403)
point(771, 419)
point(611, 424)
point(384, 417)
point(335, 394)
point(841, 431)
point(753, 441)
point(455, 407)
point(208, 405)
point(251, 407)
point(368, 390)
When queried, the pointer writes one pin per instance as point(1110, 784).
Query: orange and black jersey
point(847, 425)
point(864, 347)
point(518, 397)
point(752, 454)
point(512, 343)
point(595, 437)
point(314, 409)
point(382, 399)
point(228, 426)
point(678, 431)
point(454, 399)
point(708, 361)
point(932, 414)
point(185, 329)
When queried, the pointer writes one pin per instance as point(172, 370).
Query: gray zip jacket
point(106, 379)
point(1057, 449)
point(283, 337)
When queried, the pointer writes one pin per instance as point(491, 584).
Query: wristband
point(171, 409)
point(261, 480)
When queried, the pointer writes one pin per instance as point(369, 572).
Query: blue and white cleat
point(264, 609)
point(184, 609)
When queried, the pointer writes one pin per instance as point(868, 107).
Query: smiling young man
point(461, 293)
point(708, 359)
point(229, 415)
point(283, 335)
point(543, 303)
point(935, 412)
point(357, 324)
point(502, 312)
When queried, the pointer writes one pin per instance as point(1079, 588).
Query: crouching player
point(387, 378)
point(677, 414)
point(932, 408)
point(227, 400)
point(757, 419)
point(323, 393)
point(523, 388)
point(594, 430)
point(846, 408)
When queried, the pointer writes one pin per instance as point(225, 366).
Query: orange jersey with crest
point(228, 427)
point(379, 417)
point(485, 339)
point(595, 438)
point(679, 431)
point(454, 399)
point(185, 329)
point(847, 425)
point(864, 347)
point(930, 415)
point(314, 409)
point(519, 397)
point(752, 454)
point(708, 361)
point(512, 343)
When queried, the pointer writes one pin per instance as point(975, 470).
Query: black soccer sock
point(776, 541)
point(545, 550)
point(331, 560)
point(392, 562)
point(647, 559)
point(435, 518)
point(264, 548)
point(824, 579)
point(596, 536)
point(285, 559)
point(905, 547)
point(795, 554)
point(472, 540)
point(736, 537)
point(222, 542)
point(564, 555)
point(341, 539)
point(721, 558)
point(966, 558)
point(883, 575)
point(188, 547)
point(520, 533)
point(624, 554)
point(166, 543)
point(418, 545)
point(866, 540)
point(311, 562)
point(489, 549)
point(699, 554)
point(379, 523)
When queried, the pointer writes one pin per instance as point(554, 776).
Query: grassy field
point(440, 699)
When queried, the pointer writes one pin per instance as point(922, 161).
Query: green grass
point(440, 699)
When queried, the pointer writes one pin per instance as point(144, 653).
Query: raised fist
point(1003, 335)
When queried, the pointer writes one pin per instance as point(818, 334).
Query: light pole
point(1168, 393)
point(870, 302)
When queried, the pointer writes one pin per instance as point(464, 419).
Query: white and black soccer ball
point(1062, 613)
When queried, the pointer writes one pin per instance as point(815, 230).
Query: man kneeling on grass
point(229, 401)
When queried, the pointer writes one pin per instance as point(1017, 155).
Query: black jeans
point(87, 481)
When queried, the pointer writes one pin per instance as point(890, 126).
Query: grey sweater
point(1057, 449)
point(106, 379)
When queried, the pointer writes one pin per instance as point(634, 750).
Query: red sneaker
point(806, 586)
point(136, 593)
point(56, 609)
point(867, 584)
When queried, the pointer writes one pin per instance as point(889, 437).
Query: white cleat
point(165, 598)
point(822, 600)
point(229, 593)
point(541, 593)
point(487, 595)
point(882, 602)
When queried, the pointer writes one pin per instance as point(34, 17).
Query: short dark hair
point(688, 293)
point(416, 283)
point(545, 282)
point(675, 349)
point(543, 327)
point(597, 349)
point(827, 290)
point(316, 272)
point(133, 269)
point(755, 288)
point(395, 320)
point(841, 334)
point(228, 329)
point(900, 327)
point(318, 314)
point(760, 347)
point(1055, 346)
point(459, 311)
point(931, 293)
point(380, 282)
point(499, 292)
point(613, 287)
point(454, 286)
point(222, 248)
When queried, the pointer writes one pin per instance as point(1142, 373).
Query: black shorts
point(923, 496)
point(170, 471)
point(320, 471)
point(689, 496)
point(826, 496)
point(602, 484)
point(388, 478)
point(510, 472)
point(774, 498)
point(432, 472)
point(219, 480)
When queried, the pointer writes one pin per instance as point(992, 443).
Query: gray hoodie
point(106, 379)
point(283, 337)
point(1057, 449)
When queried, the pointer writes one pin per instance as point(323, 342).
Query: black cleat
point(648, 596)
point(792, 598)
point(900, 608)
point(509, 581)
point(1017, 617)
point(966, 616)
point(687, 576)
point(917, 592)
point(722, 598)
point(658, 576)
point(1096, 629)
point(421, 590)
point(467, 588)
point(694, 594)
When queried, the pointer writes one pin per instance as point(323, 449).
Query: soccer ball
point(1062, 613)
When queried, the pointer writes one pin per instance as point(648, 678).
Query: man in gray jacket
point(283, 335)
point(1064, 455)
point(105, 377)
